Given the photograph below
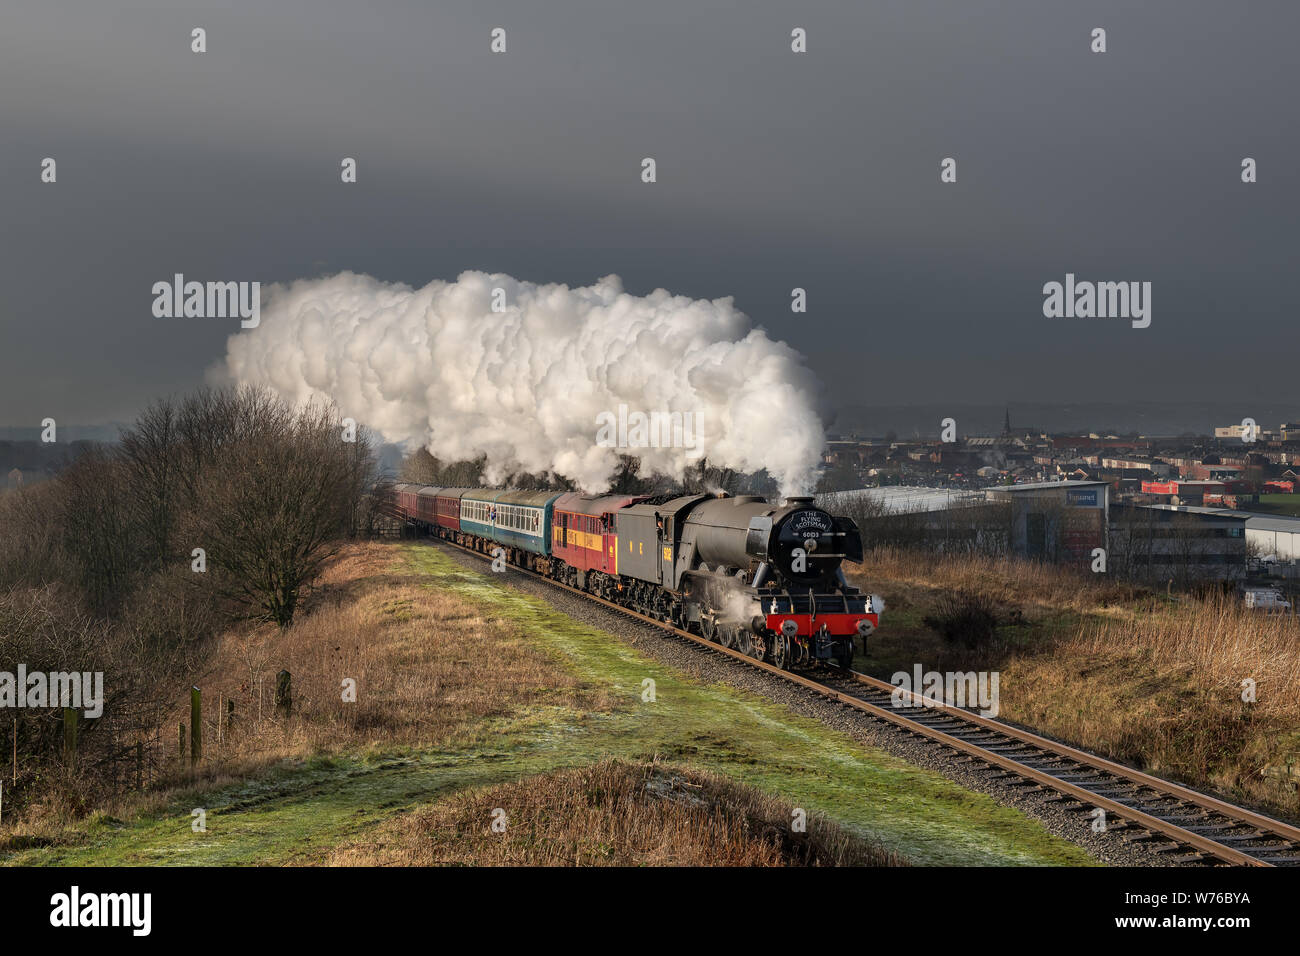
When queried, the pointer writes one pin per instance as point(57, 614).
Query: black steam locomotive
point(758, 577)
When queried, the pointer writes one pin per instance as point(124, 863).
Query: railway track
point(1199, 828)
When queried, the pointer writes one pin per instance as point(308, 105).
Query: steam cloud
point(436, 366)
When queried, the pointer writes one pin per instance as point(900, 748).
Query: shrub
point(966, 618)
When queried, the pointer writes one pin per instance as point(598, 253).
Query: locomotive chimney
point(799, 500)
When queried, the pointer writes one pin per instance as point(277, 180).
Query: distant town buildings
point(1184, 508)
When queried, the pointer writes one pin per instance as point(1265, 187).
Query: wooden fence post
point(196, 726)
point(283, 694)
point(182, 750)
point(69, 737)
point(230, 717)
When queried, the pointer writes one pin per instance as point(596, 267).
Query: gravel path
point(1066, 819)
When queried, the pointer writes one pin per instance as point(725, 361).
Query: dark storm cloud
point(775, 170)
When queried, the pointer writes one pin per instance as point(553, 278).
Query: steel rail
point(1121, 811)
point(1245, 816)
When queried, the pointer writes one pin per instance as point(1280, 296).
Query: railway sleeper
point(1110, 794)
point(659, 607)
point(1230, 839)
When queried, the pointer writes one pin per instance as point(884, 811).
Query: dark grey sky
point(776, 170)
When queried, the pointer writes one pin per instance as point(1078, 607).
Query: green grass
point(301, 809)
point(1277, 505)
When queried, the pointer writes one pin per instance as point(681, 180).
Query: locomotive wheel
point(780, 654)
point(727, 637)
point(709, 628)
point(744, 642)
point(845, 658)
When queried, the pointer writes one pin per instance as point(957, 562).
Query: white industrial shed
point(906, 499)
point(1272, 536)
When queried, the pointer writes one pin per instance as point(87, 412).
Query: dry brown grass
point(613, 813)
point(1120, 670)
point(1009, 581)
point(1164, 691)
point(428, 666)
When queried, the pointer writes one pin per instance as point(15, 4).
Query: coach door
point(608, 543)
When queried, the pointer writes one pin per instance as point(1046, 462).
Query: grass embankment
point(1285, 505)
point(612, 813)
point(1150, 679)
point(474, 696)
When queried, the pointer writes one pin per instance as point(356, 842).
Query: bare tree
point(96, 528)
point(150, 452)
point(421, 468)
point(275, 504)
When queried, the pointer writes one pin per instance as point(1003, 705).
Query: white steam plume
point(437, 366)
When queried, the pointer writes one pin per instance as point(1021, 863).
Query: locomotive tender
point(758, 577)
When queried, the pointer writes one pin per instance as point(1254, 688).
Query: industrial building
point(1198, 492)
point(903, 499)
point(1062, 521)
point(1178, 542)
point(1273, 536)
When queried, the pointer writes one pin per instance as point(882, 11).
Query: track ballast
point(1203, 829)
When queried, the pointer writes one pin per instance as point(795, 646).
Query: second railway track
point(1205, 829)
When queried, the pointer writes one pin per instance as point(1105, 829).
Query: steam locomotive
point(758, 577)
